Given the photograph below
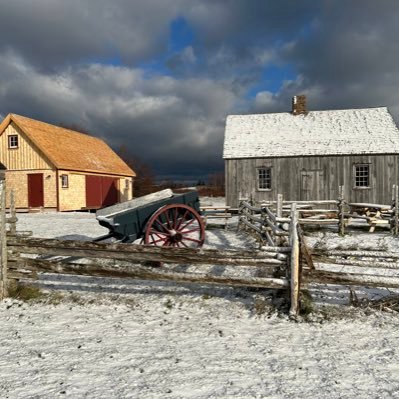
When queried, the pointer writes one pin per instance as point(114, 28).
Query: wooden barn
point(308, 155)
point(54, 168)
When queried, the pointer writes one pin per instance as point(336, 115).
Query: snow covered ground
point(103, 338)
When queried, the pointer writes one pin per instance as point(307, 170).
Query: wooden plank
point(134, 203)
point(13, 219)
point(139, 253)
point(396, 215)
point(294, 273)
point(304, 250)
point(374, 253)
point(3, 239)
point(148, 273)
point(370, 264)
point(324, 277)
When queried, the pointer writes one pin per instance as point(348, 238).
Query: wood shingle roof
point(70, 150)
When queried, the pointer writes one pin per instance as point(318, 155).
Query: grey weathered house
point(308, 155)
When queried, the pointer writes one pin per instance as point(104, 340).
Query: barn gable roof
point(70, 150)
point(339, 132)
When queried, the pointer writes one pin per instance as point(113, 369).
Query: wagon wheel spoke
point(159, 233)
point(159, 240)
point(168, 217)
point(182, 218)
point(191, 231)
point(175, 217)
point(161, 225)
point(187, 224)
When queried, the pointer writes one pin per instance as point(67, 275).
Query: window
point(264, 178)
point(13, 141)
point(64, 181)
point(362, 175)
point(127, 184)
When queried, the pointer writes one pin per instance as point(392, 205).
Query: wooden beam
point(147, 273)
point(3, 240)
point(324, 277)
point(140, 253)
point(295, 273)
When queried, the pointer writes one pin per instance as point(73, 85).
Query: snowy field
point(110, 338)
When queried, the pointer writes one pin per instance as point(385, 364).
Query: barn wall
point(125, 189)
point(74, 196)
point(289, 177)
point(25, 157)
point(18, 181)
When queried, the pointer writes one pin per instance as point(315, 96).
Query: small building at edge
point(54, 168)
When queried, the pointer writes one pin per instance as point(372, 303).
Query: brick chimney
point(299, 105)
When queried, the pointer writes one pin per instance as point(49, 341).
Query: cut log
point(139, 253)
point(148, 273)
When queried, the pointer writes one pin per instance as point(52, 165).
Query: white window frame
point(11, 138)
point(266, 178)
point(64, 181)
point(361, 172)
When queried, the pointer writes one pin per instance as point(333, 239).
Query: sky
point(159, 77)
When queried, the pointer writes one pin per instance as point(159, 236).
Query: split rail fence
point(285, 262)
point(269, 221)
point(24, 258)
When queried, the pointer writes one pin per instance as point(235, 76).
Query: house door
point(35, 190)
point(312, 185)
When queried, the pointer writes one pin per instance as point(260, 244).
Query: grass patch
point(25, 292)
point(306, 301)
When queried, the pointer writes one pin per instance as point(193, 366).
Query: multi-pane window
point(13, 141)
point(64, 181)
point(264, 178)
point(362, 175)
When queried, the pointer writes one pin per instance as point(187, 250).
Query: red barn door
point(101, 191)
point(93, 191)
point(35, 190)
point(109, 191)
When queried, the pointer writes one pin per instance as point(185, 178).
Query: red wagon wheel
point(175, 226)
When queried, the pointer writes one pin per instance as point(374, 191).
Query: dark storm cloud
point(85, 63)
point(175, 125)
point(349, 59)
point(51, 33)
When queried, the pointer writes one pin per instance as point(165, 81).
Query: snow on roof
point(339, 132)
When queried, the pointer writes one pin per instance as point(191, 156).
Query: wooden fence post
point(396, 214)
point(3, 244)
point(279, 205)
point(295, 266)
point(12, 220)
point(341, 212)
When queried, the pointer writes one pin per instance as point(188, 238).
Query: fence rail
point(284, 258)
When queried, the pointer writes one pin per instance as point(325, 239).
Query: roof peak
point(311, 112)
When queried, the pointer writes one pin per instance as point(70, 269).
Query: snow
point(120, 338)
point(337, 132)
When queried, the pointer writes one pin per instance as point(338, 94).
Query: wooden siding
point(18, 181)
point(25, 157)
point(299, 178)
point(74, 196)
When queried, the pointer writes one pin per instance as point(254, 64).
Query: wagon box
point(162, 218)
